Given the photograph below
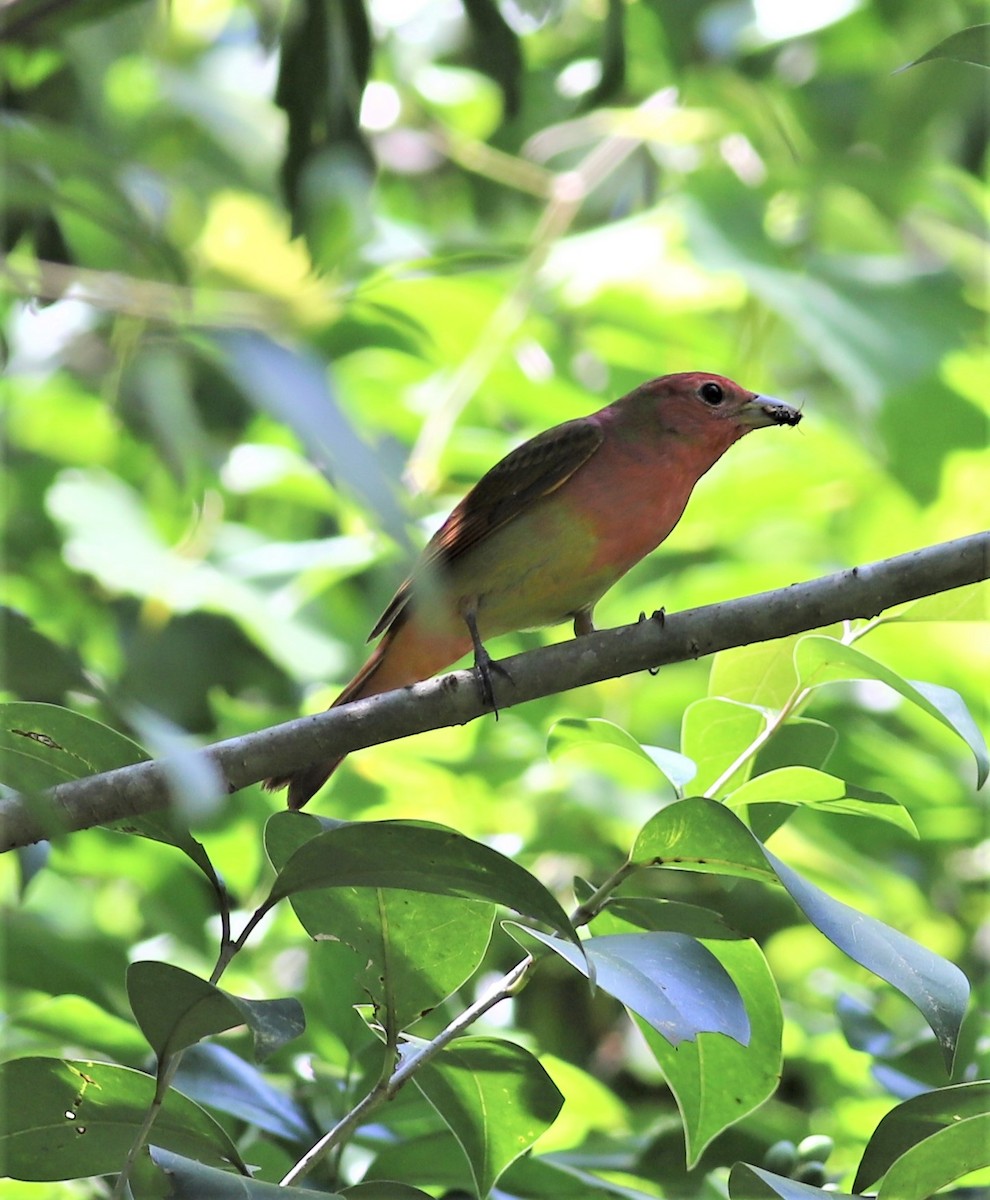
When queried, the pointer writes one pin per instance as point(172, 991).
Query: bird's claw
point(485, 666)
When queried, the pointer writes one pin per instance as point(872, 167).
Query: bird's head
point(696, 402)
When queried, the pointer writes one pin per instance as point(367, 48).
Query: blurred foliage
point(280, 282)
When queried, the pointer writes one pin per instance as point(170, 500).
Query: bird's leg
point(484, 664)
point(583, 622)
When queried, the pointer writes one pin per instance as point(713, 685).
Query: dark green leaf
point(970, 45)
point(35, 666)
point(193, 1181)
point(76, 744)
point(498, 51)
point(175, 1009)
point(496, 1099)
point(416, 858)
point(74, 1119)
point(413, 949)
point(647, 912)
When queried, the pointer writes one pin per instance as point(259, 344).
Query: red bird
point(544, 535)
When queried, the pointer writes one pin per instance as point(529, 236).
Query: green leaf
point(416, 858)
point(714, 733)
point(175, 1009)
point(716, 1080)
point(703, 835)
point(971, 45)
point(496, 1099)
point(572, 733)
point(671, 980)
point(384, 1189)
point(193, 1181)
point(940, 1159)
point(754, 1183)
point(912, 1123)
point(649, 912)
point(762, 673)
point(800, 741)
point(81, 1022)
point(937, 988)
point(67, 741)
point(73, 1119)
point(699, 834)
point(35, 665)
point(821, 660)
point(961, 604)
point(814, 789)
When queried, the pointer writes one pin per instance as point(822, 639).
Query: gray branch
point(454, 699)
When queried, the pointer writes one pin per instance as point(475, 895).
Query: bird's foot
point(583, 623)
point(485, 666)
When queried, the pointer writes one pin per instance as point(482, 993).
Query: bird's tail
point(307, 781)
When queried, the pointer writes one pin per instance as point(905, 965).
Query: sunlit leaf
point(700, 835)
point(574, 733)
point(803, 786)
point(714, 733)
point(717, 1080)
point(910, 1124)
point(941, 1159)
point(961, 604)
point(821, 660)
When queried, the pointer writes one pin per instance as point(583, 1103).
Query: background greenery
point(481, 221)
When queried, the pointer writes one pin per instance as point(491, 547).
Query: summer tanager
point(549, 529)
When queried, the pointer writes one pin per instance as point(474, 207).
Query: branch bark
point(453, 699)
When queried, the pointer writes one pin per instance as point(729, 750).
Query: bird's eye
point(711, 392)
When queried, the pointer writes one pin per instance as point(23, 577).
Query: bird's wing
point(531, 471)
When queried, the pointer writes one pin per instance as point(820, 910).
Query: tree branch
point(453, 699)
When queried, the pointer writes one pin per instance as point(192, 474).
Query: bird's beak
point(767, 410)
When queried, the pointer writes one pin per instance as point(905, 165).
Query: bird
point(548, 530)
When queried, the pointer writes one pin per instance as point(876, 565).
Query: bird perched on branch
point(548, 530)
